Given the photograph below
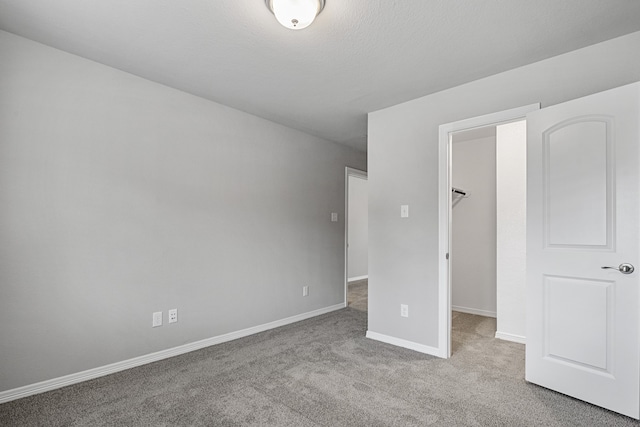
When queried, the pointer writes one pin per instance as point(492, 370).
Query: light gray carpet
point(358, 294)
point(322, 371)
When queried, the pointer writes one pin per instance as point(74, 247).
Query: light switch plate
point(334, 216)
point(404, 211)
point(404, 310)
point(157, 319)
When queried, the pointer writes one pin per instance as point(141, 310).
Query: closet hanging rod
point(458, 191)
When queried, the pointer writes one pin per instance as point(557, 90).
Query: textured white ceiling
point(358, 56)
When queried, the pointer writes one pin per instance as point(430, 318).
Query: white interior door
point(582, 215)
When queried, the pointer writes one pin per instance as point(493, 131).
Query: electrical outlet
point(334, 216)
point(157, 319)
point(173, 315)
point(404, 310)
point(305, 291)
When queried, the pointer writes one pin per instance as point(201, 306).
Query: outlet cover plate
point(173, 315)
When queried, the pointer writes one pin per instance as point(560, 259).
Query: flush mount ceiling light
point(295, 14)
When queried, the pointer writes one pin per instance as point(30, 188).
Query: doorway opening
point(472, 252)
point(489, 292)
point(356, 239)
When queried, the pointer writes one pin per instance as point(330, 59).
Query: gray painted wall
point(120, 197)
point(473, 234)
point(358, 228)
point(403, 169)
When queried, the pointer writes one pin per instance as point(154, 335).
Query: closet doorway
point(472, 252)
point(483, 225)
point(356, 240)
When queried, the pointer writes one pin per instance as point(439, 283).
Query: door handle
point(625, 268)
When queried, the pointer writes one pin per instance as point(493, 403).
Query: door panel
point(572, 305)
point(582, 214)
point(578, 151)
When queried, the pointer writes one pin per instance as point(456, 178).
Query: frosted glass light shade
point(295, 14)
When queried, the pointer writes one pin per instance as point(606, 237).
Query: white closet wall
point(473, 247)
point(511, 178)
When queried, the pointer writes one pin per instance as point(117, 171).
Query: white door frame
point(444, 207)
point(347, 173)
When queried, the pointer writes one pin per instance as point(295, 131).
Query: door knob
point(625, 268)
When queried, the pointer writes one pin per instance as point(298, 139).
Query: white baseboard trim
point(355, 279)
point(405, 344)
point(468, 310)
point(511, 337)
point(55, 383)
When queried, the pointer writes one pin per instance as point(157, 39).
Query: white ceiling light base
point(295, 14)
